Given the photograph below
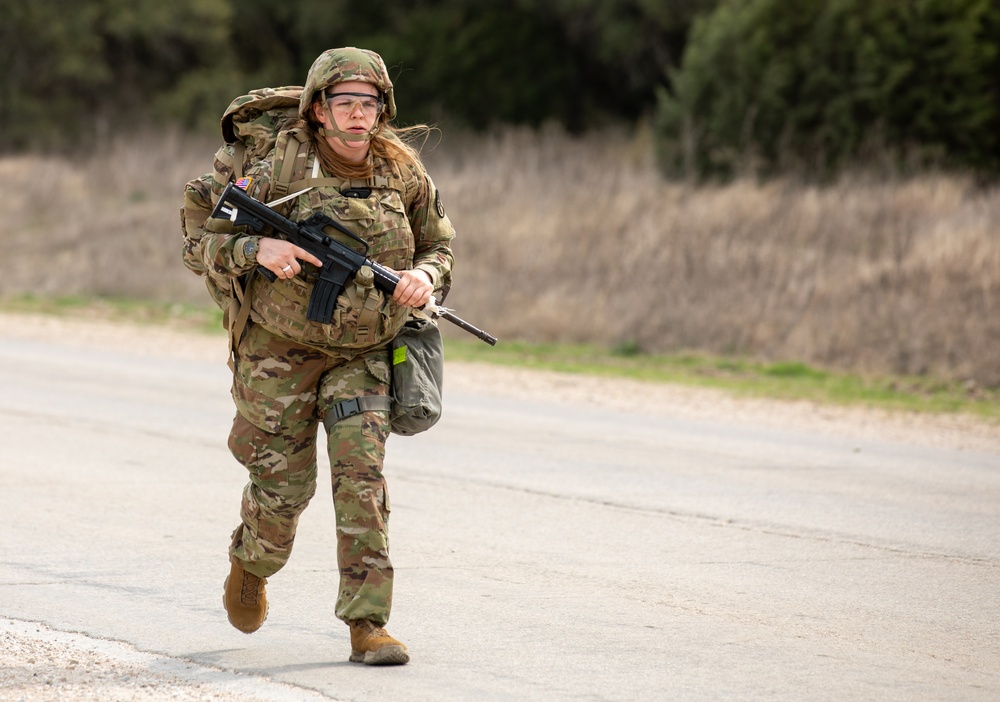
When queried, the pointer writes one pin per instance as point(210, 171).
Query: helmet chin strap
point(348, 136)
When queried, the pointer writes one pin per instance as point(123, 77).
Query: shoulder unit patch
point(438, 204)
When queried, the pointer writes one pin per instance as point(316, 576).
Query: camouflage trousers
point(283, 392)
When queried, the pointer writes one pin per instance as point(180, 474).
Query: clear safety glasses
point(346, 103)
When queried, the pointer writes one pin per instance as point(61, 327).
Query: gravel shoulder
point(38, 663)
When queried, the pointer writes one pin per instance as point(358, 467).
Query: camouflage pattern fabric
point(290, 371)
point(198, 205)
point(348, 63)
point(283, 392)
point(403, 230)
point(256, 118)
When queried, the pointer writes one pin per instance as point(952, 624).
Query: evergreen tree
point(767, 84)
point(75, 68)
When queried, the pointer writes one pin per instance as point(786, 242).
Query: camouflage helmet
point(339, 65)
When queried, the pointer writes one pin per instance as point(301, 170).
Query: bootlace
point(373, 629)
point(249, 592)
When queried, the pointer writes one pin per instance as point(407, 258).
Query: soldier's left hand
point(414, 288)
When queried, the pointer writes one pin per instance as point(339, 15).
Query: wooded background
point(731, 86)
point(789, 180)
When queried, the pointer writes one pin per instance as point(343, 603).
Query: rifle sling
point(238, 316)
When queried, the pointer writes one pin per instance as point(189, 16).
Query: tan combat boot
point(244, 599)
point(372, 645)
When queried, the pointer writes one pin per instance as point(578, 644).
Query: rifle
point(339, 260)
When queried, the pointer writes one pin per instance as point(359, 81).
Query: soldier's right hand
point(283, 258)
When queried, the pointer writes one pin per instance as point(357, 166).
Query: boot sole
point(388, 655)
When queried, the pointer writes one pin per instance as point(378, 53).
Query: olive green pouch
point(417, 376)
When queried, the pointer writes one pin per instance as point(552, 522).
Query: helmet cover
point(349, 63)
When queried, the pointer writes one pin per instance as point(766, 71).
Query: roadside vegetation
point(739, 376)
point(579, 240)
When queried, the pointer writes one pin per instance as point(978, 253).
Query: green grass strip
point(788, 380)
point(740, 376)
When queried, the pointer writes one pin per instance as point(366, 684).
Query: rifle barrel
point(475, 331)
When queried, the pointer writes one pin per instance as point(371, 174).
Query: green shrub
point(768, 85)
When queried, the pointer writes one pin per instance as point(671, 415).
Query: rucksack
point(251, 122)
point(255, 124)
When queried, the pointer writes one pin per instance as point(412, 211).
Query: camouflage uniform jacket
point(402, 221)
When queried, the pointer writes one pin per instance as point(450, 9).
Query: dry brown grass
point(567, 239)
point(108, 224)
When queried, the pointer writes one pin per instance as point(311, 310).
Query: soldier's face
point(353, 112)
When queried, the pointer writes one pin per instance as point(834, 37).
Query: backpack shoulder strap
point(239, 154)
point(290, 152)
point(300, 186)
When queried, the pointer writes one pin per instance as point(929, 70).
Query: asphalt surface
point(543, 551)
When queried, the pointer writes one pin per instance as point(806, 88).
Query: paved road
point(543, 552)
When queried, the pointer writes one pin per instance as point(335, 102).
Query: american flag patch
point(243, 183)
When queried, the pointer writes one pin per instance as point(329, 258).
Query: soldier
point(292, 374)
